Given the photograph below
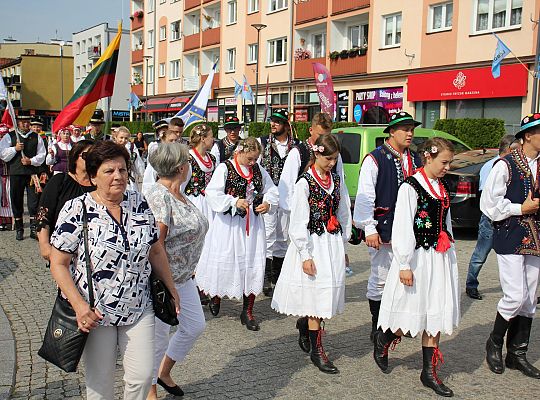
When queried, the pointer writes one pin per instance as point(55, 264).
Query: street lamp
point(147, 58)
point(259, 28)
point(61, 43)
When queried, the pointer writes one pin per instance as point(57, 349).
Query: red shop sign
point(474, 83)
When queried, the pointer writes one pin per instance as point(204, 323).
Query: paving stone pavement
point(229, 362)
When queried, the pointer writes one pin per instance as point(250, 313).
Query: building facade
point(431, 58)
point(88, 45)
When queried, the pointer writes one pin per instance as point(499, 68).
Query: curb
point(7, 355)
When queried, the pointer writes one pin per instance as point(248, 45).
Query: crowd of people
point(235, 218)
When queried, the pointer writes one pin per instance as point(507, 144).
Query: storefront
point(162, 107)
point(469, 93)
point(374, 106)
point(342, 103)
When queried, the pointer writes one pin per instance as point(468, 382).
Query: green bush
point(477, 133)
point(257, 129)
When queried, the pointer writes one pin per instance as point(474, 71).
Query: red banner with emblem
point(473, 83)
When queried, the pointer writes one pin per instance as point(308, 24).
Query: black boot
point(374, 307)
point(277, 263)
point(203, 297)
point(303, 334)
point(247, 317)
point(19, 229)
point(33, 229)
point(517, 344)
point(381, 343)
point(268, 288)
point(432, 356)
point(318, 355)
point(214, 305)
point(494, 345)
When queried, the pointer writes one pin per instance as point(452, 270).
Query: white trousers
point(519, 281)
point(191, 326)
point(277, 227)
point(380, 265)
point(136, 344)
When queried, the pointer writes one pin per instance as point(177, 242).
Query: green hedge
point(257, 129)
point(477, 133)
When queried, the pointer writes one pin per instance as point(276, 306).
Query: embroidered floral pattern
point(271, 161)
point(320, 204)
point(199, 178)
point(237, 186)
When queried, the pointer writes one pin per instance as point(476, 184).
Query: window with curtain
point(231, 60)
point(232, 7)
point(277, 51)
point(441, 17)
point(392, 30)
point(174, 69)
point(319, 45)
point(175, 30)
point(252, 53)
point(358, 35)
point(497, 14)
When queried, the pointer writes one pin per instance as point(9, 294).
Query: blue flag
point(237, 89)
point(247, 93)
point(500, 52)
point(134, 100)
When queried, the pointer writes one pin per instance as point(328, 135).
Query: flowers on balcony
point(350, 53)
point(302, 54)
point(137, 80)
point(138, 14)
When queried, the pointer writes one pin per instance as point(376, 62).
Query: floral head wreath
point(316, 148)
point(201, 129)
point(432, 150)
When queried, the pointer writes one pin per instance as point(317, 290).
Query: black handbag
point(63, 343)
point(163, 301)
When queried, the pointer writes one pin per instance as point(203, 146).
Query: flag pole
point(534, 104)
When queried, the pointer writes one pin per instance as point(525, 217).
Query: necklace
point(325, 183)
point(207, 163)
point(443, 197)
point(247, 177)
point(113, 205)
point(409, 171)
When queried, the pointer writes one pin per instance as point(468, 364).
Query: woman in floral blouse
point(182, 228)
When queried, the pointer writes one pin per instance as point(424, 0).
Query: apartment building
point(429, 57)
point(88, 46)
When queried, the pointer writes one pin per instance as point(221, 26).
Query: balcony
point(342, 6)
point(136, 23)
point(189, 4)
point(137, 89)
point(311, 11)
point(211, 36)
point(137, 56)
point(349, 66)
point(192, 41)
point(215, 82)
point(94, 52)
point(303, 69)
point(15, 79)
point(7, 80)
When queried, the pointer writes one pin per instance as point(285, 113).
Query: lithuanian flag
point(98, 84)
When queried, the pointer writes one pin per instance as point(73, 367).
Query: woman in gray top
point(182, 228)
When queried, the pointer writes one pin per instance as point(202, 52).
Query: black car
point(463, 179)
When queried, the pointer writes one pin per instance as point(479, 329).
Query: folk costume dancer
point(42, 177)
point(511, 200)
point(224, 148)
point(136, 172)
point(312, 282)
point(76, 133)
point(6, 214)
point(421, 294)
point(95, 126)
point(150, 175)
point(382, 172)
point(276, 147)
point(24, 152)
point(239, 191)
point(57, 157)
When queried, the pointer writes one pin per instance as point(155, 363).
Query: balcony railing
point(303, 68)
point(137, 23)
point(211, 36)
point(137, 89)
point(349, 66)
point(311, 11)
point(94, 52)
point(189, 4)
point(137, 56)
point(192, 42)
point(341, 6)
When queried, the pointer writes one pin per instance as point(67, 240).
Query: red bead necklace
point(249, 176)
point(207, 163)
point(326, 183)
point(443, 196)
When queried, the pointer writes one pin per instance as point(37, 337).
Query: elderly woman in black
point(123, 249)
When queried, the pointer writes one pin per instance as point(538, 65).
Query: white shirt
point(150, 174)
point(364, 205)
point(7, 149)
point(484, 172)
point(51, 160)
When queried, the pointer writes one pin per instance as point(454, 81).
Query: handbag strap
point(87, 257)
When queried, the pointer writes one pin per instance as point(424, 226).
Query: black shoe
point(19, 235)
point(3, 227)
point(246, 317)
point(374, 307)
point(517, 345)
point(214, 305)
point(429, 377)
point(473, 293)
point(174, 390)
point(268, 288)
point(303, 334)
point(381, 344)
point(277, 264)
point(203, 297)
point(494, 356)
point(318, 355)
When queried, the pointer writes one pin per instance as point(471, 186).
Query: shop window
point(507, 109)
point(493, 15)
point(440, 17)
point(392, 30)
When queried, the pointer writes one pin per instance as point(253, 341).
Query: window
point(231, 60)
point(161, 71)
point(83, 70)
point(358, 35)
point(151, 4)
point(175, 30)
point(150, 73)
point(162, 33)
point(440, 17)
point(97, 40)
point(232, 9)
point(196, 23)
point(253, 52)
point(78, 48)
point(318, 42)
point(78, 72)
point(150, 38)
point(277, 51)
point(392, 30)
point(174, 69)
point(253, 6)
point(497, 14)
point(276, 5)
point(162, 1)
point(83, 46)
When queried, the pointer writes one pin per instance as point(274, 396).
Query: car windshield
point(350, 147)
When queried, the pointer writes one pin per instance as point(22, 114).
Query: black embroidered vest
point(236, 186)
point(428, 216)
point(199, 179)
point(518, 234)
point(30, 150)
point(271, 160)
point(225, 152)
point(320, 204)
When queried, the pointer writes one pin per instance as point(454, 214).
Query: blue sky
point(28, 20)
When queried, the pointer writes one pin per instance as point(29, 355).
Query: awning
point(164, 104)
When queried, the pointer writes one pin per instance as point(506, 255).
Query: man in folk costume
point(382, 172)
point(511, 200)
point(224, 149)
point(276, 147)
point(6, 214)
point(95, 126)
point(36, 125)
point(24, 152)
